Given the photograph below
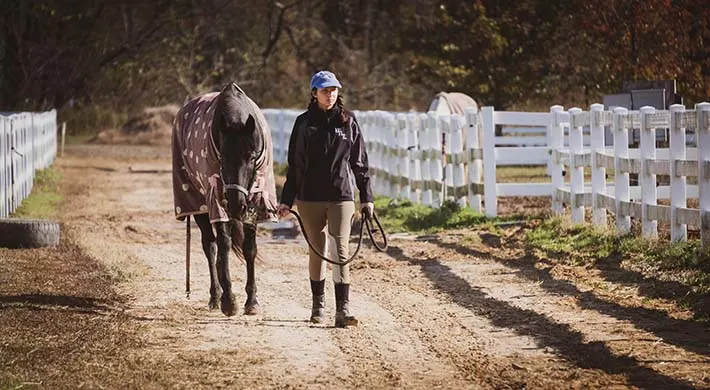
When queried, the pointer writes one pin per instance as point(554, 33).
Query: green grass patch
point(521, 174)
point(403, 215)
point(280, 169)
point(44, 199)
point(683, 267)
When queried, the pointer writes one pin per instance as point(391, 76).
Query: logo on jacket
point(341, 133)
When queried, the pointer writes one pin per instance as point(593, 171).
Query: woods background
point(97, 61)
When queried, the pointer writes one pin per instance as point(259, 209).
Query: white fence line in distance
point(28, 142)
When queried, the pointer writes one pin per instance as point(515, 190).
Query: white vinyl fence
point(428, 158)
point(678, 161)
point(28, 142)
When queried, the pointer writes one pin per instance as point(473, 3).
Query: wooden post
point(392, 163)
point(458, 176)
point(621, 179)
point(402, 156)
point(576, 169)
point(475, 164)
point(596, 130)
point(555, 142)
point(378, 155)
point(703, 130)
point(649, 196)
point(414, 157)
point(437, 166)
point(447, 179)
point(425, 145)
point(489, 162)
point(64, 134)
point(679, 189)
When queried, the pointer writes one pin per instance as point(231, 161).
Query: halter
point(258, 163)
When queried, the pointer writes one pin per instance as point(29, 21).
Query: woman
point(326, 161)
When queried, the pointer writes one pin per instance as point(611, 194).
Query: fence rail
point(28, 142)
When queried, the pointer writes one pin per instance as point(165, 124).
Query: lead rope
point(187, 258)
point(365, 223)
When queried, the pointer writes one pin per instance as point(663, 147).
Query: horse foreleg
point(249, 249)
point(209, 246)
point(224, 244)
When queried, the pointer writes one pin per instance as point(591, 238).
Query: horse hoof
point(251, 309)
point(213, 304)
point(228, 306)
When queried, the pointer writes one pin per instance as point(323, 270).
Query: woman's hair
point(313, 105)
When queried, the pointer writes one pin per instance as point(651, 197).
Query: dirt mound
point(153, 126)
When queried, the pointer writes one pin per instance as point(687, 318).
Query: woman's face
point(326, 97)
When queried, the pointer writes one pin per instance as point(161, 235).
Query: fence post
point(446, 152)
point(392, 163)
point(414, 158)
point(576, 169)
point(435, 165)
point(282, 155)
point(649, 227)
point(381, 153)
point(702, 111)
point(555, 141)
point(679, 191)
point(475, 164)
point(621, 179)
point(596, 132)
point(489, 162)
point(425, 146)
point(3, 168)
point(402, 156)
point(458, 175)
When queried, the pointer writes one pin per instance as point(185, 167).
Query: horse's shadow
point(51, 302)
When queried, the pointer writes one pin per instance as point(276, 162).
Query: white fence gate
point(28, 141)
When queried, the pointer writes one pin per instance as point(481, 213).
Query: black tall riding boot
point(342, 306)
point(318, 308)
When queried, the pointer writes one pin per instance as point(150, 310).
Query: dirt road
point(463, 310)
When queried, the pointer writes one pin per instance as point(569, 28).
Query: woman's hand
point(368, 209)
point(283, 210)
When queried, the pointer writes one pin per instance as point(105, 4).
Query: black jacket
point(326, 159)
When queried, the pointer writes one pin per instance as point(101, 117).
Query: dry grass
point(62, 326)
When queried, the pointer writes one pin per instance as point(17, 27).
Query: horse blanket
point(197, 184)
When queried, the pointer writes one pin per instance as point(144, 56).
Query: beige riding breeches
point(336, 216)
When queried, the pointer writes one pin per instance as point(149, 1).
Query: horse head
point(240, 143)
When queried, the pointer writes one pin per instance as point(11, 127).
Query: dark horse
point(223, 176)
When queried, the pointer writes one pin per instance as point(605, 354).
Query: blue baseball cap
point(324, 79)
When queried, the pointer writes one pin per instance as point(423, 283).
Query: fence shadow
point(681, 333)
point(611, 270)
point(567, 342)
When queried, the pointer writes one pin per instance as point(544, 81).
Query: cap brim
point(329, 84)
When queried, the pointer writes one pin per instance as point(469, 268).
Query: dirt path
point(455, 312)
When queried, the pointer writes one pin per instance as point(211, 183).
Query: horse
point(222, 162)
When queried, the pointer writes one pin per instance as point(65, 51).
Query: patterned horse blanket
point(197, 185)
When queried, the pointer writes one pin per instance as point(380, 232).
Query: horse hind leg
point(209, 246)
